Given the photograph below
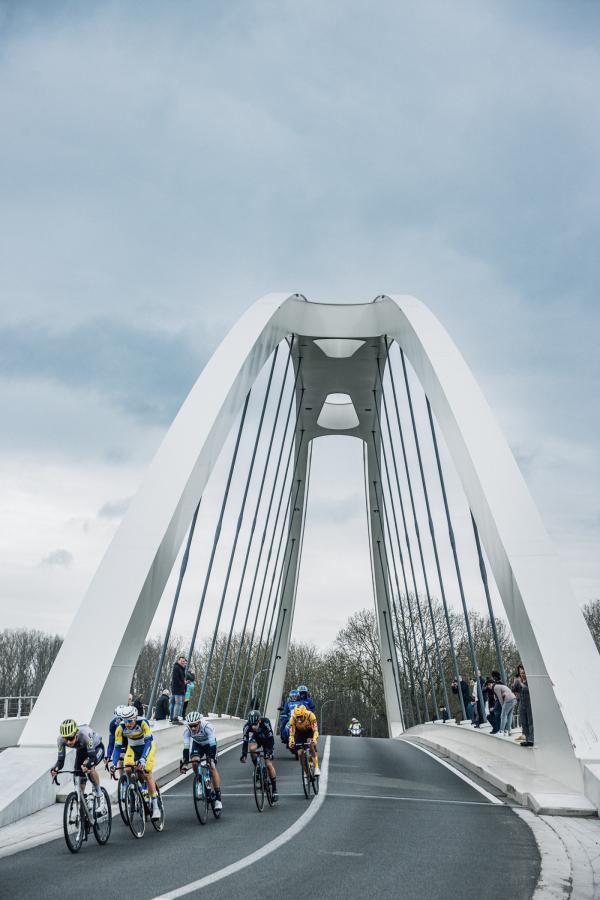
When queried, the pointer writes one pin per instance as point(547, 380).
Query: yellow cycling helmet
point(301, 712)
point(68, 728)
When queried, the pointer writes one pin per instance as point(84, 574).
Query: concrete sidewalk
point(46, 824)
point(505, 765)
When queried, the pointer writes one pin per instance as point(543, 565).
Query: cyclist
point(199, 739)
point(140, 751)
point(304, 730)
point(355, 728)
point(89, 751)
point(258, 732)
point(292, 701)
point(114, 722)
point(305, 698)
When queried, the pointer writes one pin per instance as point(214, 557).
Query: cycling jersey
point(86, 745)
point(111, 737)
point(263, 735)
point(307, 701)
point(199, 742)
point(308, 726)
point(139, 737)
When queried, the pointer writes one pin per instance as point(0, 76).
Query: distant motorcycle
point(356, 730)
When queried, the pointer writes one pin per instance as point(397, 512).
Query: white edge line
point(266, 849)
point(456, 772)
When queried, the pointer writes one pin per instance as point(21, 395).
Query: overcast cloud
point(163, 165)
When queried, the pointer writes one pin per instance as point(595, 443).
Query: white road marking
point(339, 852)
point(411, 799)
point(267, 849)
point(458, 774)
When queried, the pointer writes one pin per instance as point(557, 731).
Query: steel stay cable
point(264, 531)
point(476, 671)
point(217, 534)
point(237, 530)
point(432, 534)
point(394, 652)
point(484, 578)
point(299, 560)
point(270, 551)
point(252, 529)
point(182, 571)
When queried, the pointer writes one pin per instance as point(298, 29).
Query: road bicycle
point(139, 806)
point(122, 786)
point(261, 781)
point(81, 813)
point(203, 791)
point(310, 781)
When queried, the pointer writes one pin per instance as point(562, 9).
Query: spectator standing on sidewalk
point(521, 688)
point(162, 707)
point(190, 683)
point(177, 689)
point(494, 706)
point(508, 701)
point(464, 689)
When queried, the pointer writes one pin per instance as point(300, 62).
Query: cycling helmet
point(120, 710)
point(128, 714)
point(193, 718)
point(302, 689)
point(294, 694)
point(354, 721)
point(301, 712)
point(254, 716)
point(68, 728)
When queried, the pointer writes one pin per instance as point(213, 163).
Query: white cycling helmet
point(119, 710)
point(128, 713)
point(193, 718)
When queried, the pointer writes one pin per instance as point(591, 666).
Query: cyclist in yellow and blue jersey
point(140, 750)
point(304, 730)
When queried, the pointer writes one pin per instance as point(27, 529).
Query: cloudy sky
point(163, 165)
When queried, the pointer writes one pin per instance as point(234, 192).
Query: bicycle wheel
point(102, 823)
point(259, 787)
point(305, 777)
point(122, 796)
point(268, 786)
point(314, 780)
point(73, 824)
point(136, 814)
point(200, 801)
point(159, 824)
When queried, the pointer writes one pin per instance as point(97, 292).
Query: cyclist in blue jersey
point(114, 723)
point(199, 739)
point(305, 698)
point(140, 751)
point(285, 713)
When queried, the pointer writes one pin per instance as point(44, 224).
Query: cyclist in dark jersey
point(89, 751)
point(258, 732)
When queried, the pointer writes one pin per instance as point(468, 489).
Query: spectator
point(465, 693)
point(521, 689)
point(507, 700)
point(474, 704)
point(162, 707)
point(494, 706)
point(189, 687)
point(177, 690)
point(139, 706)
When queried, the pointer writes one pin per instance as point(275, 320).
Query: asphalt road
point(393, 821)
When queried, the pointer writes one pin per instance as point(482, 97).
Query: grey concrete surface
point(394, 822)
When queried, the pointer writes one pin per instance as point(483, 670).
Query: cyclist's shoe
point(317, 770)
point(218, 804)
point(101, 809)
point(155, 814)
point(275, 796)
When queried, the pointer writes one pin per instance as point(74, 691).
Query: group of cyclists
point(131, 745)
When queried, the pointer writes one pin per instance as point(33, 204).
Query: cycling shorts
point(301, 737)
point(200, 750)
point(266, 744)
point(94, 756)
point(133, 754)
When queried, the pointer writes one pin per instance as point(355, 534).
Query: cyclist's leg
point(314, 756)
point(268, 746)
point(216, 778)
point(253, 747)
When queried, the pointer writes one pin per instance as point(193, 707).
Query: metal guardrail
point(15, 707)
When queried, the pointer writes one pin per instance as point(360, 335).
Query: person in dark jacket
point(162, 707)
point(521, 689)
point(177, 689)
point(466, 694)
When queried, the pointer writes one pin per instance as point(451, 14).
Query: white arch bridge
point(359, 370)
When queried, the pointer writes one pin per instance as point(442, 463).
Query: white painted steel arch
point(549, 628)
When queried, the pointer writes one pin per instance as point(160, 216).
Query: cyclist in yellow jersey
point(304, 730)
point(140, 750)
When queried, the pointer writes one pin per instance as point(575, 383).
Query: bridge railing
point(15, 707)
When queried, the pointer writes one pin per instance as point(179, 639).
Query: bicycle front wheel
point(122, 795)
point(268, 786)
point(102, 823)
point(305, 777)
point(259, 787)
point(159, 824)
point(136, 814)
point(73, 824)
point(200, 800)
point(314, 780)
